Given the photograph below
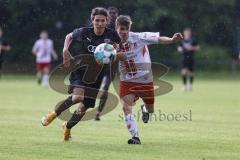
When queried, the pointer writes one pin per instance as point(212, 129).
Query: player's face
point(113, 14)
point(44, 35)
point(99, 22)
point(123, 32)
point(187, 34)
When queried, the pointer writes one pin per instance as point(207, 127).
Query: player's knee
point(184, 72)
point(77, 98)
point(46, 71)
point(127, 109)
point(81, 109)
point(150, 109)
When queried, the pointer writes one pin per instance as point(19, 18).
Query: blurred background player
point(4, 46)
point(113, 14)
point(136, 79)
point(188, 47)
point(44, 50)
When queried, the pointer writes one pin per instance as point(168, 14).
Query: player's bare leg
point(103, 98)
point(39, 77)
point(45, 76)
point(67, 103)
point(191, 79)
point(128, 102)
point(76, 117)
point(1, 64)
point(184, 74)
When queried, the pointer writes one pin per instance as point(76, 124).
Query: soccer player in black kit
point(89, 37)
point(188, 47)
point(4, 46)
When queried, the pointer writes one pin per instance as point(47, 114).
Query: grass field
point(213, 133)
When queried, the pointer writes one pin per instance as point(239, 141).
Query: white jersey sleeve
point(36, 46)
point(149, 37)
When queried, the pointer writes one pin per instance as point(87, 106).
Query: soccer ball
point(105, 53)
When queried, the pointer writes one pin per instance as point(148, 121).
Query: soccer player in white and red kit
point(43, 49)
point(136, 79)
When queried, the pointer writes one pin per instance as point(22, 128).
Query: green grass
point(213, 133)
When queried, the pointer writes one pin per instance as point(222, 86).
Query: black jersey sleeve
point(77, 34)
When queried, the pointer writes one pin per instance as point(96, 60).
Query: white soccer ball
point(105, 53)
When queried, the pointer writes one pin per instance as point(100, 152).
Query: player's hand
point(177, 37)
point(120, 56)
point(116, 46)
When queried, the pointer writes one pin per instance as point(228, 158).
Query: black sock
point(102, 102)
point(76, 117)
point(191, 79)
point(184, 79)
point(0, 72)
point(39, 80)
point(64, 105)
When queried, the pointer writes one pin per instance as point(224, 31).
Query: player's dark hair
point(44, 31)
point(112, 8)
point(188, 29)
point(99, 11)
point(123, 20)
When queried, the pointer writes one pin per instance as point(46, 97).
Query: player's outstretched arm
point(196, 48)
point(34, 50)
point(167, 40)
point(6, 47)
point(66, 54)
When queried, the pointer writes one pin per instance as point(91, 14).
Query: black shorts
point(188, 65)
point(90, 89)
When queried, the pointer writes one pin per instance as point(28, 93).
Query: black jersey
point(3, 43)
point(87, 41)
point(188, 56)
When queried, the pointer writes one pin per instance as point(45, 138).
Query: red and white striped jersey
point(137, 67)
point(43, 48)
